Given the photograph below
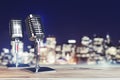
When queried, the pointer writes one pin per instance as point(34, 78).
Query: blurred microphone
point(15, 29)
point(34, 27)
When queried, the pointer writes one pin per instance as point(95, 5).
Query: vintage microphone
point(35, 33)
point(15, 29)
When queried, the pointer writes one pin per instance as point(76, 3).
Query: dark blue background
point(65, 19)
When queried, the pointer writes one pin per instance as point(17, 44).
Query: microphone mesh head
point(16, 29)
point(34, 27)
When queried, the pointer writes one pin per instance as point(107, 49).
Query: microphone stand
point(16, 51)
point(37, 52)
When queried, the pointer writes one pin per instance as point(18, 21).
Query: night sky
point(65, 19)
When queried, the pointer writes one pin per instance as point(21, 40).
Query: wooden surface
point(63, 72)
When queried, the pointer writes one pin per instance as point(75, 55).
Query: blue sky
point(65, 19)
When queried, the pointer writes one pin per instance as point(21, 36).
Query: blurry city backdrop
point(78, 21)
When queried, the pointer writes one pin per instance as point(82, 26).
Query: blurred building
point(51, 42)
point(48, 52)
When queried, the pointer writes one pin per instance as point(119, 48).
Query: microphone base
point(18, 66)
point(40, 69)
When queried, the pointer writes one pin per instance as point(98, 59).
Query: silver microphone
point(15, 27)
point(35, 33)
